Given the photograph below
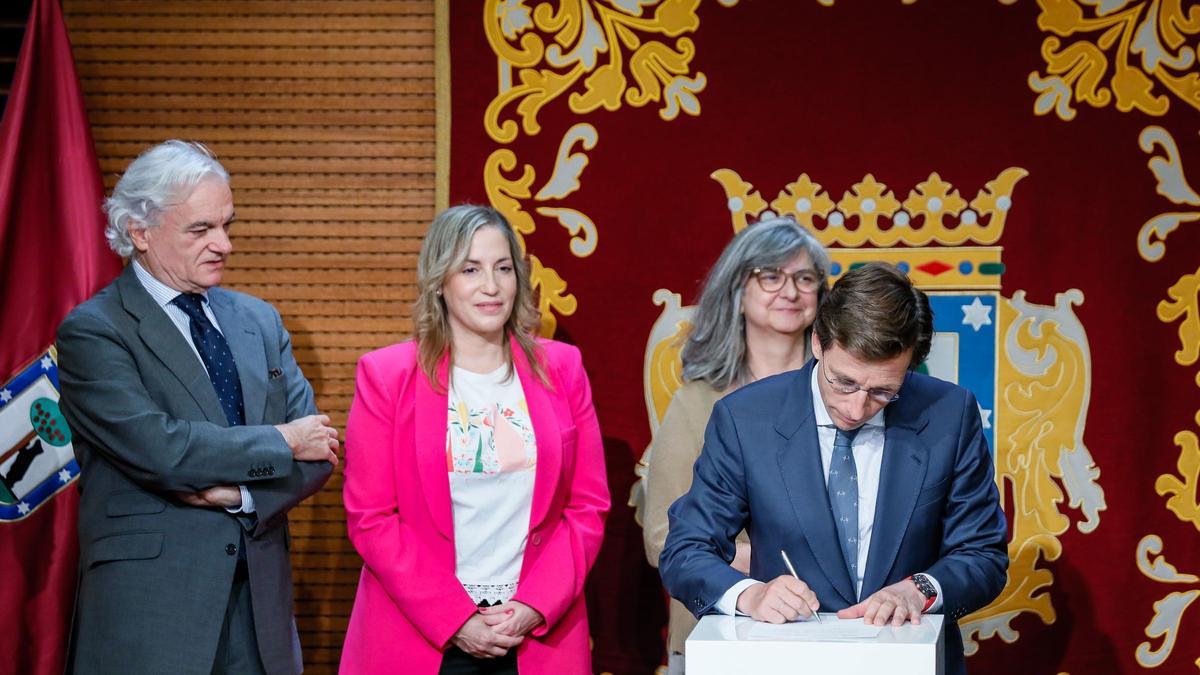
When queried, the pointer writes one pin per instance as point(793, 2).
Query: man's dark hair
point(876, 313)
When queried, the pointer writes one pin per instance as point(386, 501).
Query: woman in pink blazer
point(475, 489)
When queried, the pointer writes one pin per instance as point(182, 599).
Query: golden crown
point(869, 223)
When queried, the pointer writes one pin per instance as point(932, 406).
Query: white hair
point(159, 178)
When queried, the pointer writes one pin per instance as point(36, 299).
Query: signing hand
point(477, 638)
point(223, 496)
point(311, 439)
point(897, 603)
point(511, 618)
point(779, 600)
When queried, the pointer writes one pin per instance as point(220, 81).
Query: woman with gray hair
point(475, 489)
point(753, 320)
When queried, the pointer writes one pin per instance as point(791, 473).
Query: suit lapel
point(433, 462)
point(162, 337)
point(246, 344)
point(905, 460)
point(804, 478)
point(543, 414)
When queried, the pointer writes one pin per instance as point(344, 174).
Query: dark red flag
point(52, 257)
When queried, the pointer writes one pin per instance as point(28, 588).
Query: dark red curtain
point(1061, 133)
point(52, 256)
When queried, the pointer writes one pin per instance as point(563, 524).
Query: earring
point(438, 291)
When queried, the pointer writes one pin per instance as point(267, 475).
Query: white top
point(868, 461)
point(491, 454)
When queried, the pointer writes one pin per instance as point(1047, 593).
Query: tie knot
point(192, 304)
point(846, 437)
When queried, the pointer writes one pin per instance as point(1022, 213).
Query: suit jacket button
point(536, 539)
point(230, 549)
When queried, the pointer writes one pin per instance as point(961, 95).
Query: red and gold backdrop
point(1027, 162)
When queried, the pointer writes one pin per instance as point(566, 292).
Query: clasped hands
point(310, 438)
point(492, 631)
point(785, 597)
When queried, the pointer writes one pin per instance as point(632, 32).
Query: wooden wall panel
point(324, 114)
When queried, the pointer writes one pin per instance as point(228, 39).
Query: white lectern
point(727, 645)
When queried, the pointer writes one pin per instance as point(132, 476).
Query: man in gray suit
point(196, 433)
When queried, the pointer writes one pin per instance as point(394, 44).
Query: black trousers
point(457, 662)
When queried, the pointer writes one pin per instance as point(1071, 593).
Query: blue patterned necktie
point(214, 352)
point(843, 498)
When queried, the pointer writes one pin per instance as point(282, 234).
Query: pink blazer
point(398, 512)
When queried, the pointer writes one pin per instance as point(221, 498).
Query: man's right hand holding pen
point(780, 600)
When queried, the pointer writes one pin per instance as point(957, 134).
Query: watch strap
point(927, 589)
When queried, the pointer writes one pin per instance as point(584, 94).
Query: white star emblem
point(23, 508)
point(977, 315)
point(985, 416)
point(64, 476)
point(5, 396)
point(46, 363)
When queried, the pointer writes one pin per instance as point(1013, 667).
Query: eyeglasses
point(844, 386)
point(771, 280)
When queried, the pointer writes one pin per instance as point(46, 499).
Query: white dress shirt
point(868, 459)
point(163, 295)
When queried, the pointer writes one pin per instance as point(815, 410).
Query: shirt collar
point(162, 293)
point(822, 413)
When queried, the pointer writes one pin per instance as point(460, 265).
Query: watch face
point(924, 585)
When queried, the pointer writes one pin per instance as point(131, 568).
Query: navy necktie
point(843, 498)
point(214, 352)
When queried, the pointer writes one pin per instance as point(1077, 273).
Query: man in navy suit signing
point(874, 479)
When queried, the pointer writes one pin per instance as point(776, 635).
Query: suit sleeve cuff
point(247, 505)
point(937, 602)
point(728, 603)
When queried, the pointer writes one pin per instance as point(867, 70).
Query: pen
point(792, 571)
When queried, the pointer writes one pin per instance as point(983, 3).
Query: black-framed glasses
point(771, 279)
point(844, 386)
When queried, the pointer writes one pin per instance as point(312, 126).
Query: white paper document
point(829, 629)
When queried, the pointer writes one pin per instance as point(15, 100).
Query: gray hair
point(159, 178)
point(715, 350)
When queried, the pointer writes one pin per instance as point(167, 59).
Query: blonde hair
point(446, 246)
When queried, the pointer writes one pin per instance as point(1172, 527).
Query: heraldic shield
point(1028, 365)
point(36, 457)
